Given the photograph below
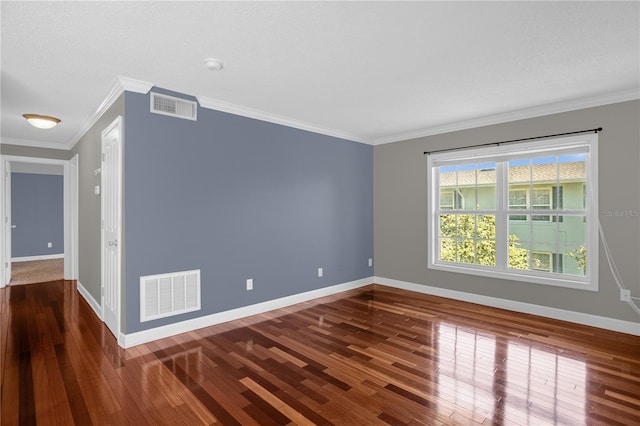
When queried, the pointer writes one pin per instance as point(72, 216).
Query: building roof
point(539, 173)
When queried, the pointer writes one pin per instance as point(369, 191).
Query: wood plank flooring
point(370, 356)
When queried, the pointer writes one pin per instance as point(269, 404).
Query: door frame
point(118, 123)
point(6, 250)
point(70, 212)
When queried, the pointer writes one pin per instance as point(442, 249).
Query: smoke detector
point(213, 64)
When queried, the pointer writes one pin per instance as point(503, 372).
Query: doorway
point(37, 271)
point(69, 171)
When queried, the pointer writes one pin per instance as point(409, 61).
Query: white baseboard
point(43, 257)
point(140, 337)
point(137, 338)
point(512, 305)
point(97, 307)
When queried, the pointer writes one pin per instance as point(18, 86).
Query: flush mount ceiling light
point(41, 121)
point(213, 64)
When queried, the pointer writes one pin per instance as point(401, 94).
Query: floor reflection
point(508, 381)
point(466, 367)
point(544, 386)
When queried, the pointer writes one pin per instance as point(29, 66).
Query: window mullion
point(502, 198)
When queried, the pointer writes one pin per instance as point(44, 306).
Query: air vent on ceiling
point(175, 107)
point(169, 294)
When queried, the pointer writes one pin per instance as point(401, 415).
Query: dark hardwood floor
point(370, 356)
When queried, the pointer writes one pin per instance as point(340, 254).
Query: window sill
point(533, 277)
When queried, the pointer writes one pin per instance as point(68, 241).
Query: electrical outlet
point(625, 295)
point(49, 245)
point(250, 284)
point(320, 272)
point(370, 262)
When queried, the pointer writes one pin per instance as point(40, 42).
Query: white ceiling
point(374, 72)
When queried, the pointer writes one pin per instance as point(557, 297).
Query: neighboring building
point(555, 184)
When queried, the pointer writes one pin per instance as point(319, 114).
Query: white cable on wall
point(614, 268)
point(612, 265)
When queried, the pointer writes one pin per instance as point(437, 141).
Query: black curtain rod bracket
point(577, 132)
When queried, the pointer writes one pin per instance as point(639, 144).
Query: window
point(541, 261)
point(523, 199)
point(525, 212)
point(451, 199)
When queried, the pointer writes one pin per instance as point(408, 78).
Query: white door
point(7, 223)
point(111, 221)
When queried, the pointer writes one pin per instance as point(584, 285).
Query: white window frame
point(501, 154)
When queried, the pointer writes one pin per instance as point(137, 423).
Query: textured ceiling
point(370, 71)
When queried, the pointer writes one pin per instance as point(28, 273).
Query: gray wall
point(88, 149)
point(240, 198)
point(37, 212)
point(400, 209)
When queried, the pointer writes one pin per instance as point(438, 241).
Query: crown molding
point(257, 114)
point(121, 85)
point(538, 111)
point(133, 85)
point(33, 143)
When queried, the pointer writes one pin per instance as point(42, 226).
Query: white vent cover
point(175, 107)
point(169, 294)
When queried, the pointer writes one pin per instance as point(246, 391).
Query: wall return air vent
point(169, 294)
point(174, 107)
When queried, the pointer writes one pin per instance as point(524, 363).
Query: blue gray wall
point(37, 205)
point(241, 198)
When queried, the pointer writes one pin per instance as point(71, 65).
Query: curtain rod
point(577, 132)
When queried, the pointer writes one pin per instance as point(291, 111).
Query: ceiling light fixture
point(213, 64)
point(41, 121)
